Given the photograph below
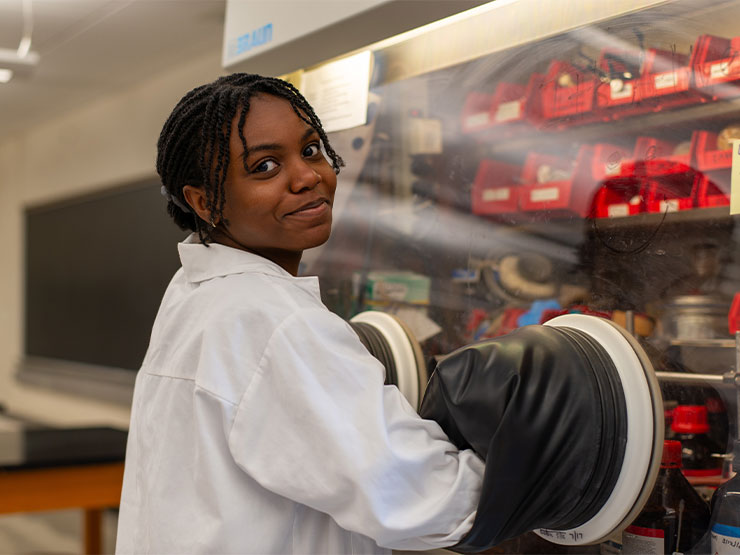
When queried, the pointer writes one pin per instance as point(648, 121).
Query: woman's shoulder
point(258, 297)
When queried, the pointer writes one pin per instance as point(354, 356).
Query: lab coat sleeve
point(317, 425)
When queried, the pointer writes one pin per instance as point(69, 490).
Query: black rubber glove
point(544, 407)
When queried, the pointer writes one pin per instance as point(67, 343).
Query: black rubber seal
point(544, 407)
point(613, 426)
point(377, 345)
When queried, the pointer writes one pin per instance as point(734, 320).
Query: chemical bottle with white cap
point(726, 511)
point(675, 518)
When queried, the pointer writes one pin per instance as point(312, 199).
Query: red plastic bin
point(619, 97)
point(621, 193)
point(509, 103)
point(647, 163)
point(651, 148)
point(619, 197)
point(495, 188)
point(713, 189)
point(573, 196)
point(517, 103)
point(476, 113)
point(716, 64)
point(607, 160)
point(573, 103)
point(672, 192)
point(666, 81)
point(705, 154)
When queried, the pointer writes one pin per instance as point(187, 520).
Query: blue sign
point(250, 40)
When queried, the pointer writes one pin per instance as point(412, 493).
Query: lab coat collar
point(201, 263)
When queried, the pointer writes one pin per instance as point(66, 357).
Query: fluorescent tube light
point(9, 58)
point(5, 75)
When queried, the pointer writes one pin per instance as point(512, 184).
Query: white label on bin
point(665, 80)
point(476, 120)
point(669, 205)
point(720, 70)
point(725, 539)
point(509, 110)
point(542, 195)
point(490, 195)
point(613, 168)
point(618, 210)
point(642, 541)
point(620, 89)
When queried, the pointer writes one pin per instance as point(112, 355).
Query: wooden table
point(90, 487)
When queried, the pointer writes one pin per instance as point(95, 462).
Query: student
point(260, 424)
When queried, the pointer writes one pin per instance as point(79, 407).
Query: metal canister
point(696, 317)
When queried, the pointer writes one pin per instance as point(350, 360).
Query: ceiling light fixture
point(22, 59)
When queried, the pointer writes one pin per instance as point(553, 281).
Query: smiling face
point(279, 196)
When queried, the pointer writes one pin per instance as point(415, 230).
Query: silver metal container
point(696, 317)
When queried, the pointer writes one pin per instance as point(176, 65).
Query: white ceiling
point(90, 48)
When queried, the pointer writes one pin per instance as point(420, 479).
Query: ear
point(196, 198)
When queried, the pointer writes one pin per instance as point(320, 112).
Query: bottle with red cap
point(675, 518)
point(702, 458)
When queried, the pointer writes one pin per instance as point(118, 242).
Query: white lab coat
point(260, 424)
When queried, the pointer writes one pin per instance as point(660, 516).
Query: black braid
point(193, 147)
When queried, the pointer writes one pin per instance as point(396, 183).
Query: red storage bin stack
point(626, 194)
point(575, 195)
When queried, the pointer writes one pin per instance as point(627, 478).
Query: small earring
point(213, 224)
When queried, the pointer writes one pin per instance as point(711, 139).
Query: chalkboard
point(95, 270)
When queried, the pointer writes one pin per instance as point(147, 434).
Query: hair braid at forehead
point(193, 147)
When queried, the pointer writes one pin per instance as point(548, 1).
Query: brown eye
point(311, 150)
point(265, 166)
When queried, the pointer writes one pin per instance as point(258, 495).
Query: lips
point(314, 206)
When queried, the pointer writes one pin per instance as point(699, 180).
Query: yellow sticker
point(735, 178)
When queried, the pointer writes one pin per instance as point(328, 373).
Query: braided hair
point(193, 147)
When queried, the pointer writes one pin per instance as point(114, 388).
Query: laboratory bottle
point(726, 511)
point(675, 518)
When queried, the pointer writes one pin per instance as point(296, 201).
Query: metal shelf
point(715, 216)
point(574, 230)
point(514, 144)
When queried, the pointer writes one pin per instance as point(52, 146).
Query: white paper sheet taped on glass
point(338, 91)
point(735, 178)
point(418, 322)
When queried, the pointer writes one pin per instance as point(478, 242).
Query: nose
point(303, 176)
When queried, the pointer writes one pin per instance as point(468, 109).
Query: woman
point(260, 424)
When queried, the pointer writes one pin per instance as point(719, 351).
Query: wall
point(108, 143)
